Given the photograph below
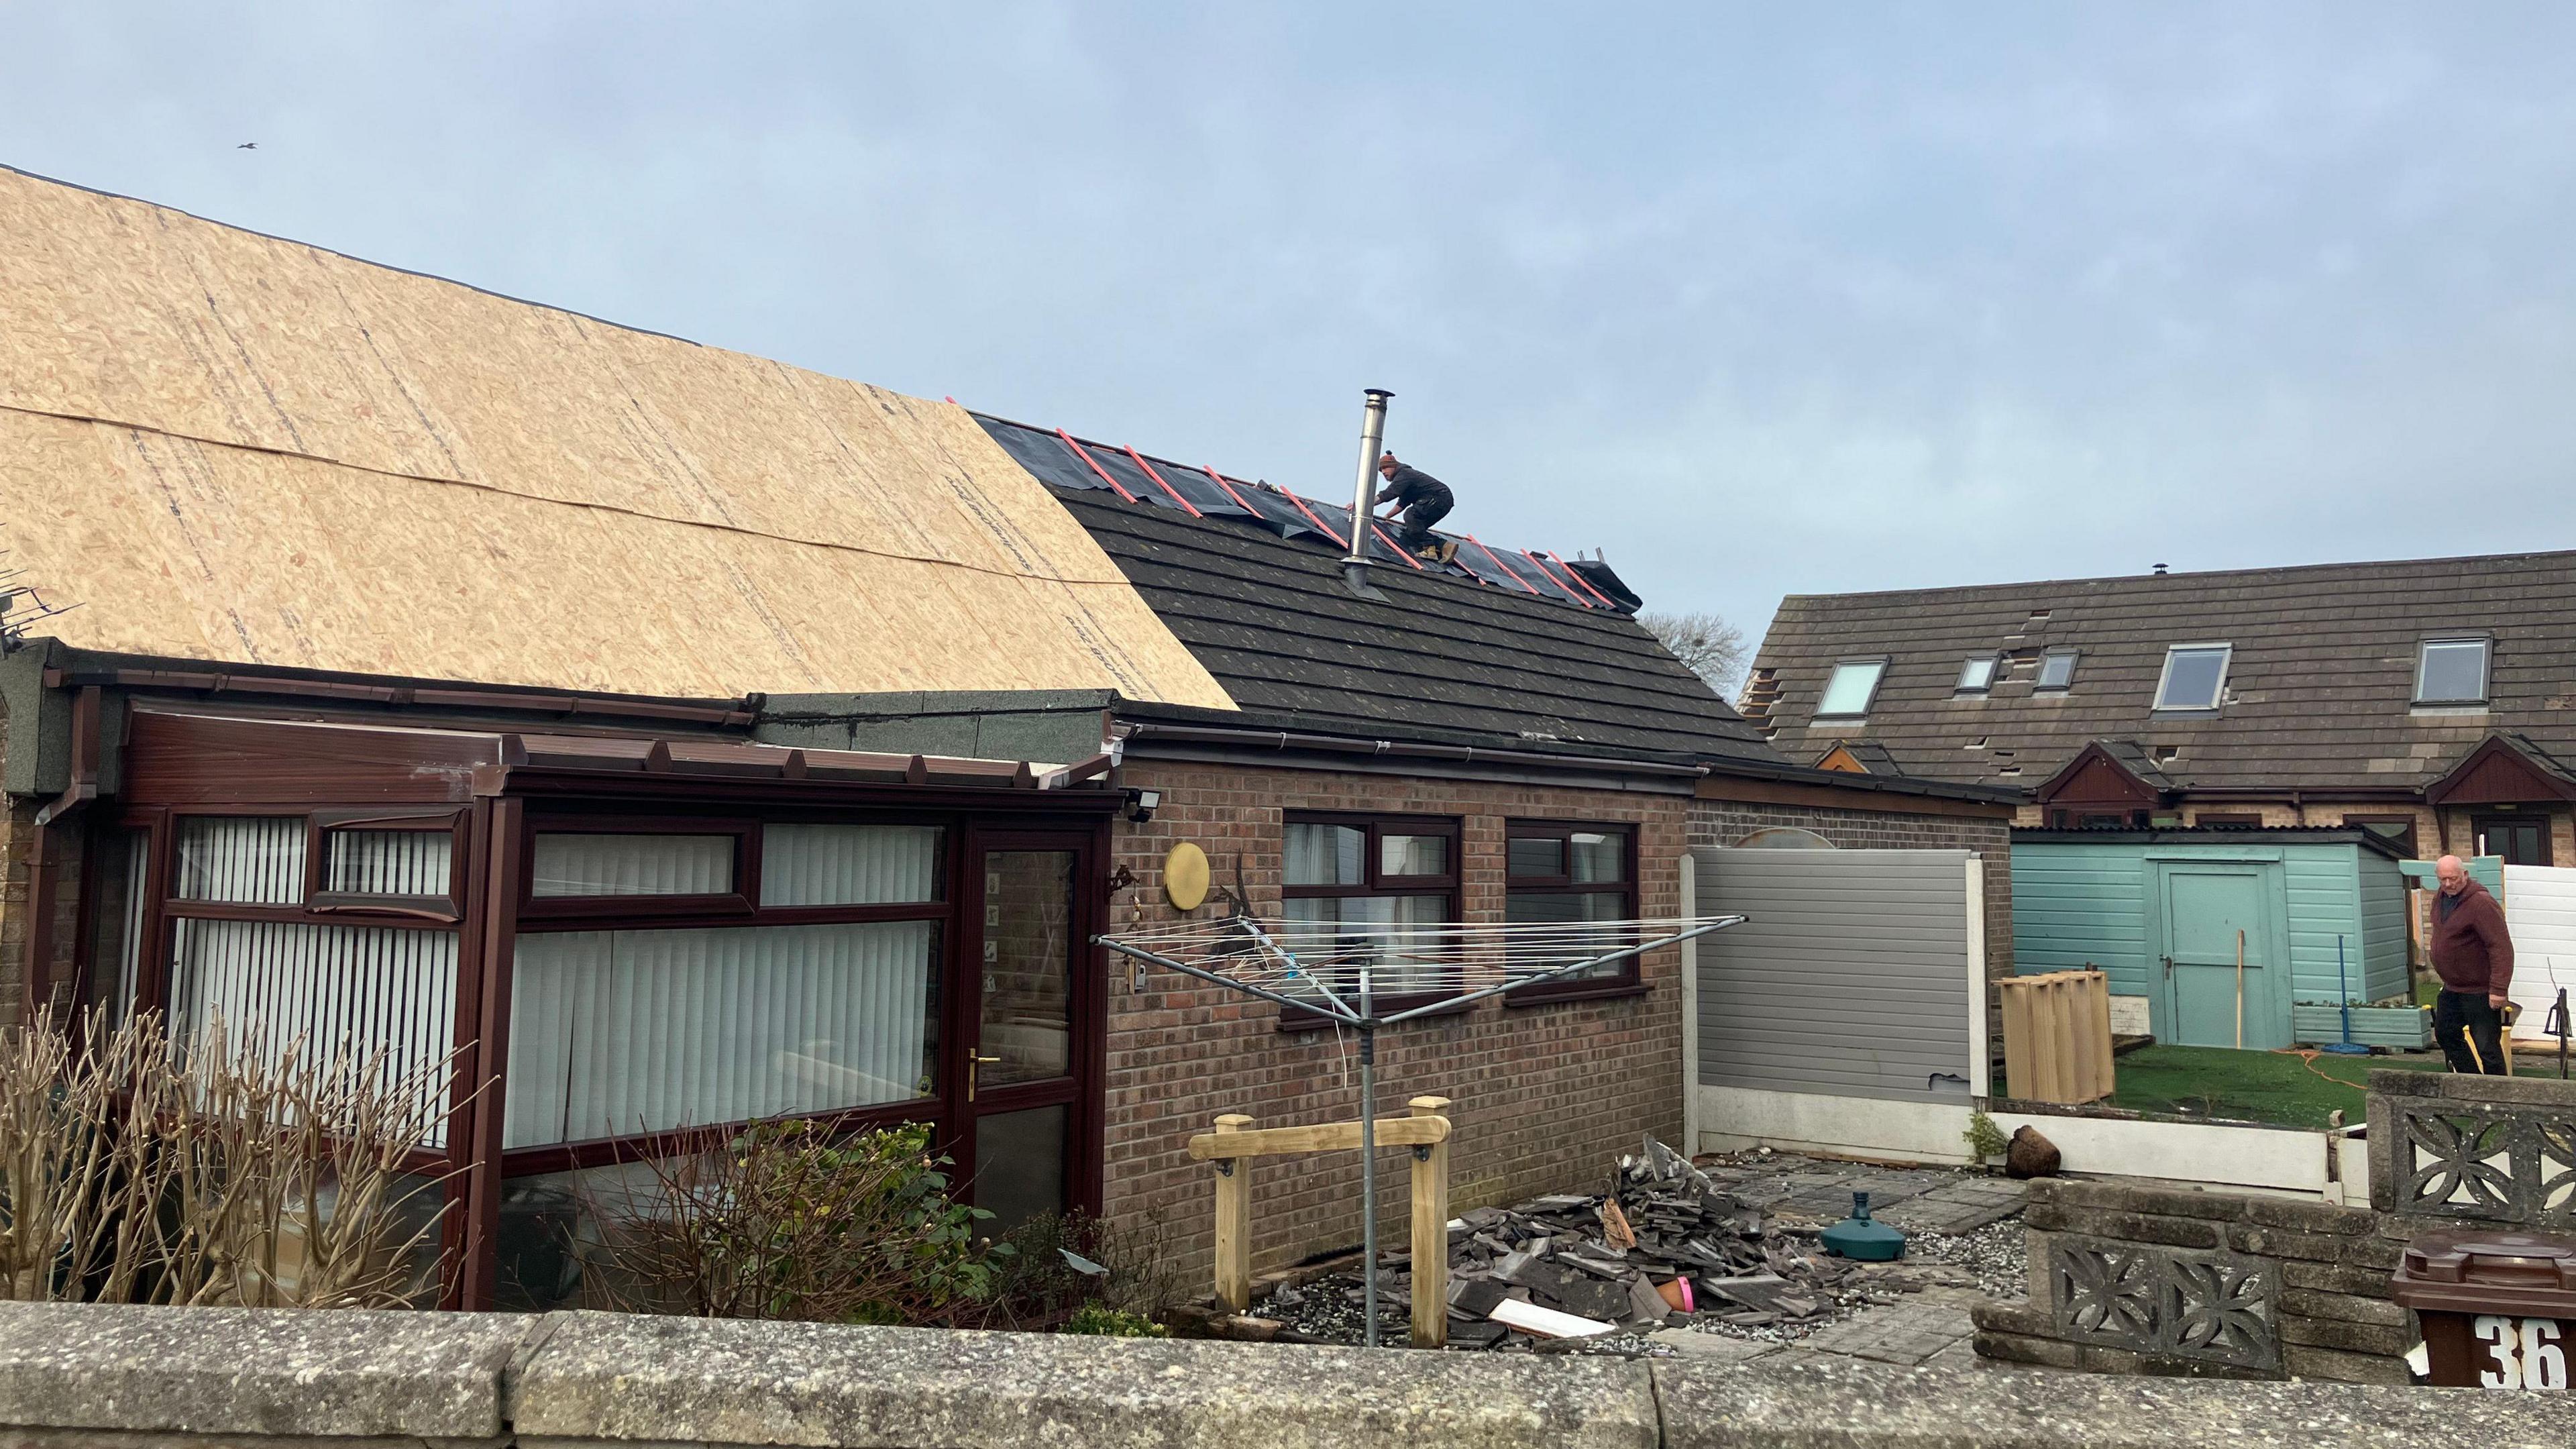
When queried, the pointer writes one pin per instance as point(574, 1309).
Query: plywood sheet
point(231, 447)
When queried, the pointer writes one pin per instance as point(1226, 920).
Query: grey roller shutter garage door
point(1849, 977)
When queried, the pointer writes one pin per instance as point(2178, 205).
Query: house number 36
point(2527, 1355)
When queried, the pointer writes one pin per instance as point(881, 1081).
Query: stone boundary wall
point(2163, 1280)
point(145, 1378)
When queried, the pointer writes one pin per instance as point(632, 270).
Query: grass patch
point(2277, 1088)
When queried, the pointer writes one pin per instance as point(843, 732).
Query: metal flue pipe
point(1364, 492)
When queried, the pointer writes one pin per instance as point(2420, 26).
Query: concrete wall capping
point(145, 1378)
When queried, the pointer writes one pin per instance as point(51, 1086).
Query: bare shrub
point(219, 1172)
point(1039, 1283)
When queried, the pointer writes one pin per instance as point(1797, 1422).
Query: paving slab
point(1904, 1334)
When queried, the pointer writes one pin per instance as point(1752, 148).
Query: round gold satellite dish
point(1185, 877)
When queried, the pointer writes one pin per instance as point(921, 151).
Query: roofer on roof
point(1425, 501)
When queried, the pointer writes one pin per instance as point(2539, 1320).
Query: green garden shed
point(2160, 910)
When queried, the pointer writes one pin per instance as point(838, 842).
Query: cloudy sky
point(1759, 301)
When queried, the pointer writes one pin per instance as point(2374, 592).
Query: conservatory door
point(1030, 998)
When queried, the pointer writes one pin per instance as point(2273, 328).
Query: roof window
point(1977, 675)
point(2452, 671)
point(2195, 676)
point(1848, 692)
point(2056, 669)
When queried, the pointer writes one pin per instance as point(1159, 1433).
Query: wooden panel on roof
point(242, 448)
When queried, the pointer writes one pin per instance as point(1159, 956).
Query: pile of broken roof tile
point(1608, 1260)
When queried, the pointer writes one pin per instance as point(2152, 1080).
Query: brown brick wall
point(17, 855)
point(1724, 822)
point(1547, 1095)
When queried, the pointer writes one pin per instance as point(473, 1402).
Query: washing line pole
point(1368, 1155)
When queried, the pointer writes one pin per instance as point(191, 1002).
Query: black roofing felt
point(1450, 659)
point(1081, 465)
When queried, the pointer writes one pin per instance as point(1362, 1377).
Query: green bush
point(1113, 1323)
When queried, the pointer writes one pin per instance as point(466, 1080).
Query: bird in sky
point(247, 146)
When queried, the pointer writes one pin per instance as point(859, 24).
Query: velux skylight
point(2194, 677)
point(2452, 671)
point(1848, 693)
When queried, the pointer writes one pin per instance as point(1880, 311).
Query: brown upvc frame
point(322, 825)
point(1376, 883)
point(1630, 980)
point(712, 908)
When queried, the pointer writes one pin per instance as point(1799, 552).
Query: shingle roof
point(2319, 691)
point(1441, 658)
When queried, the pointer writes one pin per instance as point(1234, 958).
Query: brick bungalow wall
point(1547, 1095)
point(1724, 822)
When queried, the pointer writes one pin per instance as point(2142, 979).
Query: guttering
point(1284, 740)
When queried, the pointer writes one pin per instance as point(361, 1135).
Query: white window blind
point(334, 987)
point(570, 864)
point(388, 862)
point(614, 1033)
point(848, 865)
point(252, 860)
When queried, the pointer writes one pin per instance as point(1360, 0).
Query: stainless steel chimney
point(1364, 492)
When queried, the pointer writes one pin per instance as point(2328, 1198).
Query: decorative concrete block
point(2136, 1297)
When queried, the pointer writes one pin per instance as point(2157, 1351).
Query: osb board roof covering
point(2320, 687)
point(225, 446)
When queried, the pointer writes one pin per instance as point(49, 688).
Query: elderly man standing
point(2474, 957)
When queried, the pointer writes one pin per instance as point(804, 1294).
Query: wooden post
point(1234, 1222)
point(2240, 991)
point(1430, 1233)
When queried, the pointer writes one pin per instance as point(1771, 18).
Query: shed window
point(1572, 875)
point(2056, 669)
point(1977, 675)
point(2397, 830)
point(2452, 671)
point(1848, 693)
point(2195, 676)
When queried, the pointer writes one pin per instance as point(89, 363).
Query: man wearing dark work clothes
point(1425, 501)
point(2474, 957)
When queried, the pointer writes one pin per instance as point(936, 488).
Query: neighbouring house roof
point(2320, 681)
point(1254, 587)
point(224, 446)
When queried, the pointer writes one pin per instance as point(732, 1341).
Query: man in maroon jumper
point(2474, 957)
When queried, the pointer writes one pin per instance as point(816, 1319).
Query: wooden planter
point(2407, 1028)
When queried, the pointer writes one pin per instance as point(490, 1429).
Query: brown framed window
point(2233, 819)
point(1362, 891)
point(405, 863)
point(1573, 874)
point(680, 972)
point(635, 866)
point(2397, 830)
point(259, 948)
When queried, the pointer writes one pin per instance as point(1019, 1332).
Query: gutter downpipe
point(1364, 491)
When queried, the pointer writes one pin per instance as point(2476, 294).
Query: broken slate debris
point(1753, 1273)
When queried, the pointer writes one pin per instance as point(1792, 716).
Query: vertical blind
point(848, 865)
point(614, 1033)
point(389, 862)
point(1342, 932)
point(252, 860)
point(632, 865)
point(355, 987)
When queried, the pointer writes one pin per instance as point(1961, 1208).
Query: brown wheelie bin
point(2498, 1306)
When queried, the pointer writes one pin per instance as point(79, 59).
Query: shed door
point(2205, 907)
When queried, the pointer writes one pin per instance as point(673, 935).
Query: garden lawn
point(2278, 1088)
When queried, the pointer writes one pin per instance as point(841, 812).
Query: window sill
point(1579, 991)
point(1302, 1021)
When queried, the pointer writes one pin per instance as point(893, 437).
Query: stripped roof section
point(1080, 465)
